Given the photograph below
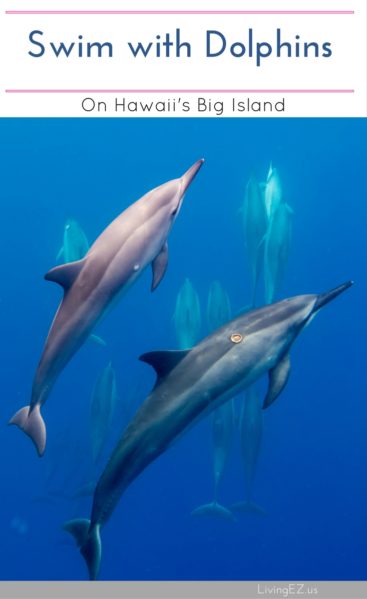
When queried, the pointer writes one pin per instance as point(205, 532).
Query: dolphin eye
point(236, 337)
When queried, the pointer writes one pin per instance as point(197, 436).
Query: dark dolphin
point(191, 384)
point(136, 238)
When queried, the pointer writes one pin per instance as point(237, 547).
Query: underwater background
point(311, 475)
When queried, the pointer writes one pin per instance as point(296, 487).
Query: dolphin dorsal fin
point(164, 361)
point(65, 274)
point(278, 377)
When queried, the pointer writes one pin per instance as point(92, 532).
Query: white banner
point(143, 58)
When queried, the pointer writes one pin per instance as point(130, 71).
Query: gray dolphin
point(190, 385)
point(136, 238)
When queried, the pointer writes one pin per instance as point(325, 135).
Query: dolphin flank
point(190, 385)
point(136, 238)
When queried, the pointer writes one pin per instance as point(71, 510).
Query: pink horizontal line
point(180, 12)
point(180, 91)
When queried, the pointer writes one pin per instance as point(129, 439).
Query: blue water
point(311, 476)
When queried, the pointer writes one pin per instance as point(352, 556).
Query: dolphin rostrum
point(191, 384)
point(136, 238)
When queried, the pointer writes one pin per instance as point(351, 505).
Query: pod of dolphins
point(202, 377)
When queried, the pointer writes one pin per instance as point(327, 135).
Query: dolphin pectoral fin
point(164, 361)
point(214, 509)
point(159, 266)
point(65, 274)
point(89, 543)
point(278, 378)
point(248, 507)
point(97, 340)
point(32, 423)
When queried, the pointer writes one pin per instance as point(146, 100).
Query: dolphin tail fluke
point(89, 542)
point(31, 422)
point(213, 509)
point(248, 507)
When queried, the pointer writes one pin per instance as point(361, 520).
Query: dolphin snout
point(188, 177)
point(325, 298)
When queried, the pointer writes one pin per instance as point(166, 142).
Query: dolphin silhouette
point(103, 405)
point(187, 316)
point(222, 436)
point(277, 249)
point(255, 223)
point(251, 429)
point(191, 384)
point(218, 309)
point(75, 243)
point(219, 312)
point(133, 240)
point(273, 193)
